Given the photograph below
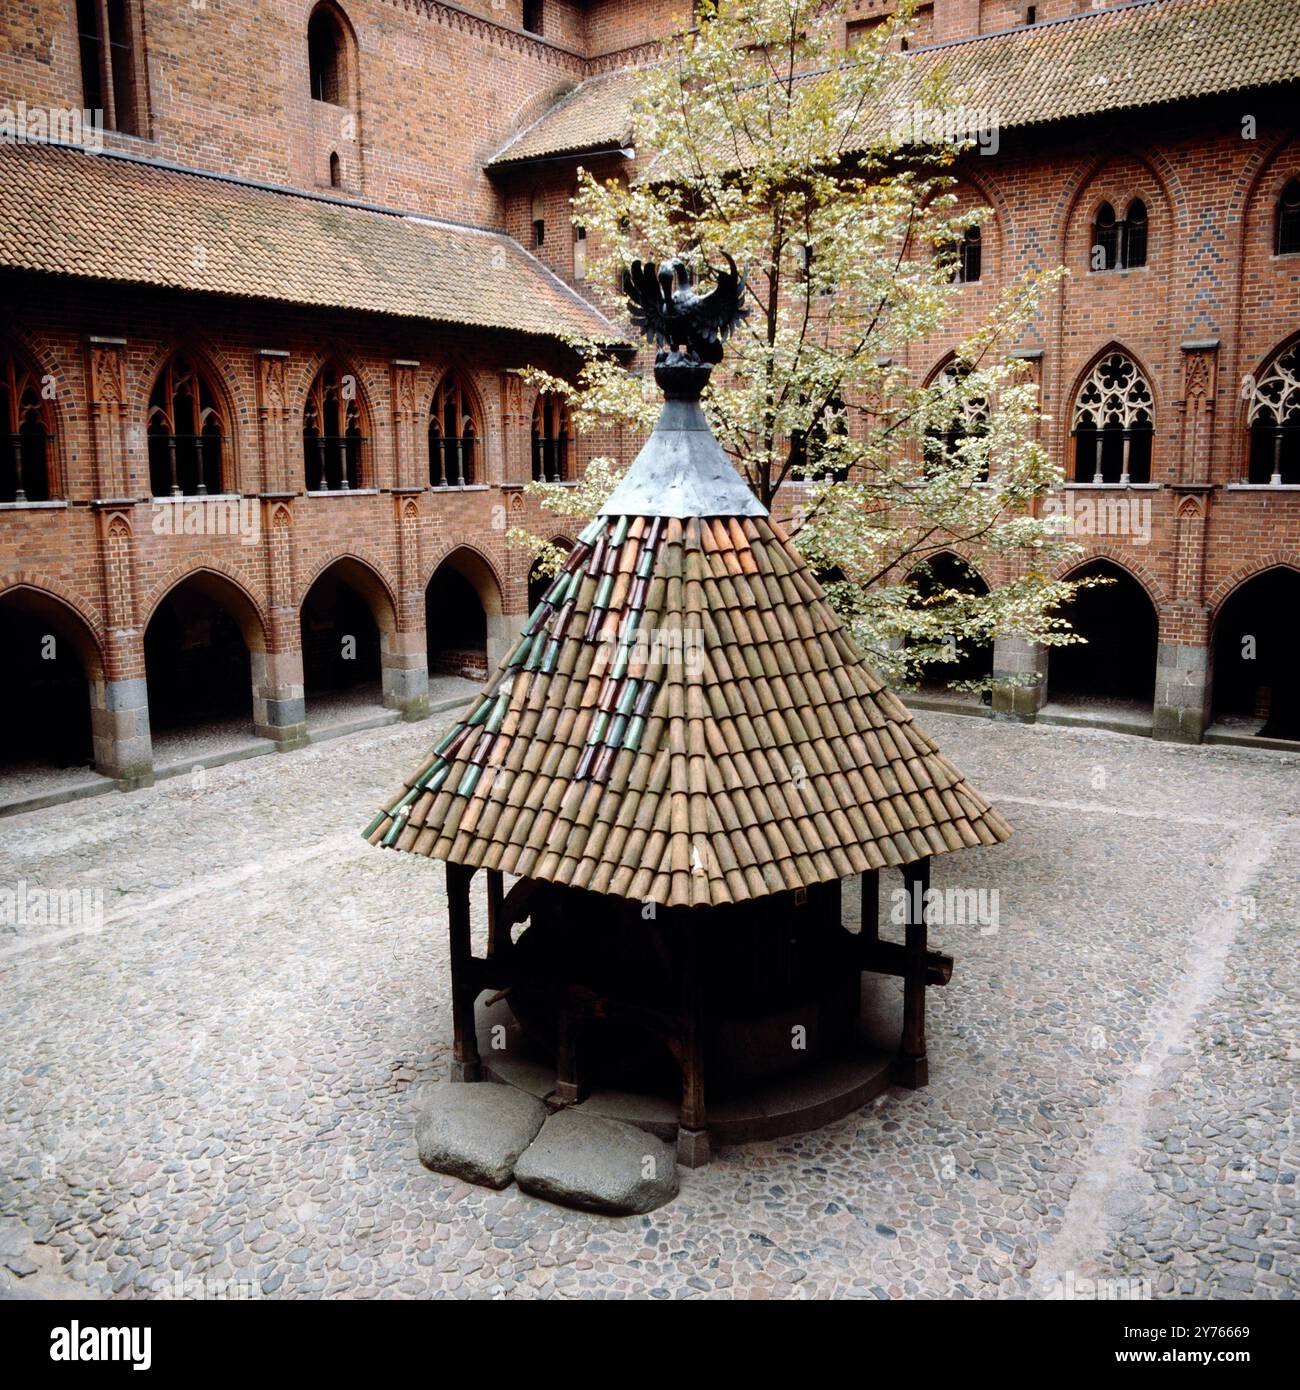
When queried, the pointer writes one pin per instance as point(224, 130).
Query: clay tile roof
point(65, 211)
point(1133, 55)
point(595, 115)
point(684, 720)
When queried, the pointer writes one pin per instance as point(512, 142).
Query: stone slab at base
point(476, 1133)
point(599, 1165)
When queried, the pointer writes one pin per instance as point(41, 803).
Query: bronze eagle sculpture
point(666, 308)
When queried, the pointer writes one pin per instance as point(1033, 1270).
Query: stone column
point(405, 652)
point(120, 715)
point(1184, 657)
point(281, 704)
point(1014, 656)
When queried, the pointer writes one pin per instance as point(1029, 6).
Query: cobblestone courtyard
point(221, 1083)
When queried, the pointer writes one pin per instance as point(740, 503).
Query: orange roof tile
point(67, 211)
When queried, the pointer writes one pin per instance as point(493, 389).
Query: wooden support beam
point(890, 958)
point(910, 1067)
point(465, 1065)
point(568, 1081)
point(692, 1130)
point(498, 928)
point(870, 906)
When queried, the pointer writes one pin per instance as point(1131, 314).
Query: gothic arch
point(222, 378)
point(226, 585)
point(366, 575)
point(29, 359)
point(1087, 193)
point(79, 623)
point(475, 567)
point(1224, 590)
point(1065, 422)
point(1122, 560)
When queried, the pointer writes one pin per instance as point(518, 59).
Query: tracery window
point(186, 433)
point(813, 455)
point(1274, 418)
point(24, 452)
point(550, 438)
point(967, 419)
point(333, 432)
point(454, 436)
point(112, 66)
point(1114, 416)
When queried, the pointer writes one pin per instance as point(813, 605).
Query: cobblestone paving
point(215, 1093)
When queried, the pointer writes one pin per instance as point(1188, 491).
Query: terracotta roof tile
point(70, 212)
point(722, 782)
point(1136, 55)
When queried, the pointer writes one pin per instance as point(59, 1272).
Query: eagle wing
point(721, 311)
point(650, 311)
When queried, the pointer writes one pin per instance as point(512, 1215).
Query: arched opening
point(968, 257)
point(336, 171)
point(1114, 670)
point(1134, 250)
point(204, 653)
point(25, 446)
point(538, 580)
point(334, 433)
point(551, 436)
point(187, 433)
point(1274, 419)
point(1105, 239)
point(327, 56)
point(52, 673)
point(460, 599)
point(455, 435)
point(1113, 423)
point(341, 642)
point(946, 582)
point(1256, 659)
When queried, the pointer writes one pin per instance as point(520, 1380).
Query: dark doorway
point(44, 696)
point(196, 663)
point(340, 641)
point(455, 626)
point(1256, 663)
point(1116, 665)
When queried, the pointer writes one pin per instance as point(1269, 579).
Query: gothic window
point(1274, 418)
point(454, 437)
point(1105, 239)
point(968, 258)
point(812, 451)
point(333, 432)
point(1288, 220)
point(550, 439)
point(537, 213)
point(327, 56)
point(186, 433)
point(1134, 249)
point(1113, 420)
point(532, 16)
point(24, 451)
point(1119, 243)
point(112, 67)
point(966, 418)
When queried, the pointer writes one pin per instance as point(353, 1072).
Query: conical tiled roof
point(684, 720)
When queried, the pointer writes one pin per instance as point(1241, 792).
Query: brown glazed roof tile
point(66, 211)
point(1122, 58)
point(691, 776)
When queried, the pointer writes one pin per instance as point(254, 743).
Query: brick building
point(292, 292)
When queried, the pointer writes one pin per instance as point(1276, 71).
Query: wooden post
point(497, 937)
point(910, 1067)
point(568, 1083)
point(870, 907)
point(465, 1059)
point(692, 1125)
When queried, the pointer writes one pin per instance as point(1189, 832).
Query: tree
point(768, 144)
